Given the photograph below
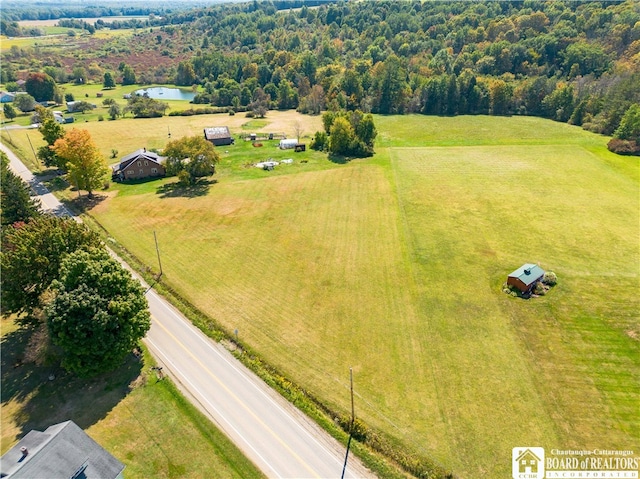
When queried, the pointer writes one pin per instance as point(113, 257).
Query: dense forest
point(576, 62)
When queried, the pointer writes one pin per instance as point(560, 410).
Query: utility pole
point(353, 419)
point(34, 151)
point(158, 252)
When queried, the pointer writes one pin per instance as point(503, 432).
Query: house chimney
point(527, 271)
point(24, 451)
point(145, 149)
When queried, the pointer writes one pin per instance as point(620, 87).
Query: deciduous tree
point(143, 106)
point(185, 76)
point(9, 111)
point(341, 136)
point(85, 164)
point(260, 104)
point(114, 111)
point(25, 103)
point(99, 314)
point(51, 132)
point(31, 256)
point(128, 75)
point(629, 128)
point(192, 154)
point(40, 86)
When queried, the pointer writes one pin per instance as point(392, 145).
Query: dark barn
point(218, 135)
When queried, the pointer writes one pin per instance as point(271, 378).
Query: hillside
point(574, 62)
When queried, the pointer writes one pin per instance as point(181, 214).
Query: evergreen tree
point(16, 203)
point(109, 81)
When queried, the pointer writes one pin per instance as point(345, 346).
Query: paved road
point(276, 436)
point(48, 201)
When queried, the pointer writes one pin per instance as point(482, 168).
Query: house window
point(146, 163)
point(141, 172)
point(139, 163)
point(130, 172)
point(154, 171)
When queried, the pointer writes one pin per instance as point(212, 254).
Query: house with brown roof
point(138, 165)
point(218, 135)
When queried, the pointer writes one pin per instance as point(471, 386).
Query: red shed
point(525, 277)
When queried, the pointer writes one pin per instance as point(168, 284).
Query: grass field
point(394, 265)
point(128, 134)
point(143, 422)
point(91, 20)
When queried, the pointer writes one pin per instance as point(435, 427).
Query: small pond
point(163, 93)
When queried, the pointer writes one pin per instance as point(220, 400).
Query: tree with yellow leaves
point(85, 164)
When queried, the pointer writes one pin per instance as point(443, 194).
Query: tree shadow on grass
point(338, 159)
point(175, 190)
point(47, 394)
point(55, 183)
point(84, 203)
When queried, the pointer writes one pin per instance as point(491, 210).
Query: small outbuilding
point(218, 135)
point(139, 164)
point(526, 277)
point(6, 97)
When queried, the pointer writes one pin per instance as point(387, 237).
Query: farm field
point(128, 134)
point(92, 20)
point(393, 266)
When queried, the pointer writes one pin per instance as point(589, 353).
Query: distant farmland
point(91, 21)
point(393, 266)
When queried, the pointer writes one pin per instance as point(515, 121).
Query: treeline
point(569, 61)
point(16, 11)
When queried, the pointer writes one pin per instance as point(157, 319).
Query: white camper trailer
point(288, 144)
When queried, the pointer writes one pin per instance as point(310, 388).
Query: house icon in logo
point(528, 462)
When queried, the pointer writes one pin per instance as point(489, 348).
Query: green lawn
point(128, 134)
point(393, 266)
point(143, 422)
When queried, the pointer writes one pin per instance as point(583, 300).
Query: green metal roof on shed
point(528, 273)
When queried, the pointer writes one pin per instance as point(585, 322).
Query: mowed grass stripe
point(394, 265)
point(314, 278)
point(462, 220)
point(478, 370)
